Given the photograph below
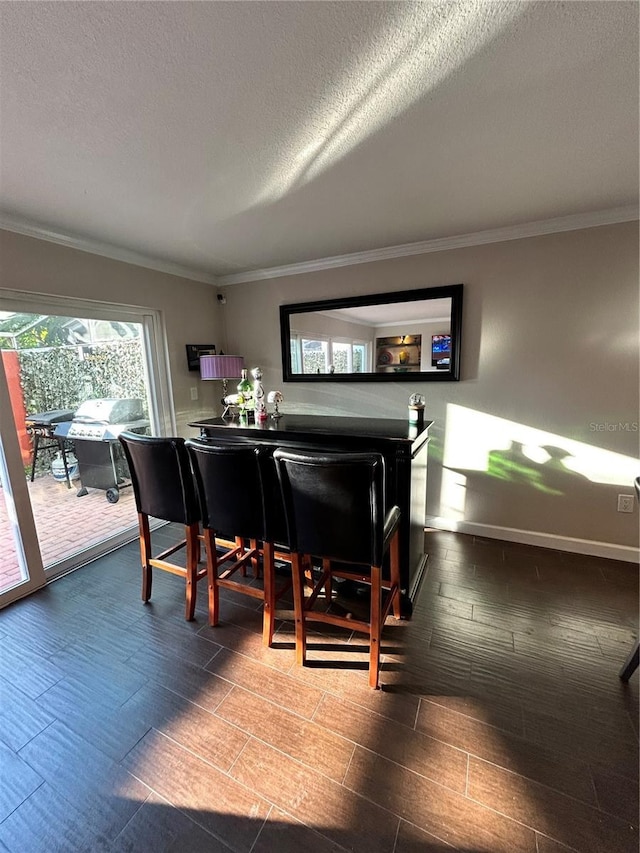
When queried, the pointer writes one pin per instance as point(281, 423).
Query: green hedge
point(63, 377)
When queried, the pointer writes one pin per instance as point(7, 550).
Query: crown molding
point(575, 222)
point(105, 250)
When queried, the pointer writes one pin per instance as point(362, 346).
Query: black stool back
point(228, 481)
point(161, 477)
point(334, 504)
point(164, 488)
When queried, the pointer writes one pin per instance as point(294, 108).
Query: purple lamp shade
point(221, 366)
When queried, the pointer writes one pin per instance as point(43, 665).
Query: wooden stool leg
point(255, 562)
point(191, 535)
point(328, 587)
point(307, 563)
point(269, 607)
point(212, 576)
point(240, 546)
point(375, 626)
point(395, 572)
point(298, 576)
point(145, 555)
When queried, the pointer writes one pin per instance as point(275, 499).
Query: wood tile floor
point(502, 726)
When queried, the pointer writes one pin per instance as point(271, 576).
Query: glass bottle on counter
point(245, 391)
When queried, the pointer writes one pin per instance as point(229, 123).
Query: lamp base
point(231, 410)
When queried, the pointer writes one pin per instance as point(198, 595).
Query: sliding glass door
point(65, 499)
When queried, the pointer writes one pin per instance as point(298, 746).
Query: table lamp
point(223, 367)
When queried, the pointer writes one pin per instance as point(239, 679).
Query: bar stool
point(230, 487)
point(163, 487)
point(335, 509)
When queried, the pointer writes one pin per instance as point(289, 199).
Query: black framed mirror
point(406, 336)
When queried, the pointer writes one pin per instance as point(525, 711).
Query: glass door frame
point(161, 415)
point(18, 505)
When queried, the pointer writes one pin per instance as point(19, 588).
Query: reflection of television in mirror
point(441, 351)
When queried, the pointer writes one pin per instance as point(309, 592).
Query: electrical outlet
point(194, 393)
point(625, 503)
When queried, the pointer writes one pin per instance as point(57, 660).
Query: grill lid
point(110, 411)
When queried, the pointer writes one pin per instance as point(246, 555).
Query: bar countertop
point(310, 427)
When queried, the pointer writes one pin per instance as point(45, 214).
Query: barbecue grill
point(94, 430)
point(41, 426)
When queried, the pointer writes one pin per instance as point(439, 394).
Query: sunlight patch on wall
point(480, 444)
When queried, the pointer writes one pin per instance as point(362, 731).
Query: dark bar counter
point(403, 445)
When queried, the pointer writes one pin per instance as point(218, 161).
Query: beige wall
point(549, 359)
point(190, 310)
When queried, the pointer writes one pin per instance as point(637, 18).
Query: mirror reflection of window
point(341, 357)
point(296, 361)
point(315, 356)
point(327, 356)
point(348, 357)
point(360, 361)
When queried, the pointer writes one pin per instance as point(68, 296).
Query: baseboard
point(542, 540)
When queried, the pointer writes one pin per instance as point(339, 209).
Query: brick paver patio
point(66, 524)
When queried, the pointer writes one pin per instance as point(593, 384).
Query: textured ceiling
point(233, 136)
